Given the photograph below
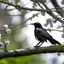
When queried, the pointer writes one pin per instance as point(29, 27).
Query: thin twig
point(26, 9)
point(13, 28)
point(54, 30)
point(51, 13)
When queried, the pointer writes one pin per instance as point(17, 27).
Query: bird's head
point(38, 25)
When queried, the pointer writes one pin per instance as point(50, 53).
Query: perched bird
point(42, 35)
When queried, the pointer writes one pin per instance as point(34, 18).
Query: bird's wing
point(39, 37)
point(43, 33)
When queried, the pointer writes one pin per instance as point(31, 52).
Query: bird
point(42, 35)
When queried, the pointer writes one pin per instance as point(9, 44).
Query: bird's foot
point(36, 47)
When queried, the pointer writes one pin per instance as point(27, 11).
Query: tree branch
point(54, 30)
point(31, 51)
point(16, 26)
point(31, 9)
point(24, 8)
point(51, 13)
point(55, 4)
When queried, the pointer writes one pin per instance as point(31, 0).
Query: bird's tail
point(53, 41)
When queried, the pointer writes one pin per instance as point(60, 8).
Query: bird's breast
point(38, 36)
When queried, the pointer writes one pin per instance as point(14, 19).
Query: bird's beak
point(31, 23)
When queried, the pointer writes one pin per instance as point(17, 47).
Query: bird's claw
point(36, 47)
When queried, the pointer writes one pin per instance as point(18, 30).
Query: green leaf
point(5, 0)
point(16, 1)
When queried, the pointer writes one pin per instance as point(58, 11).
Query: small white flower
point(1, 45)
point(7, 42)
point(8, 31)
point(6, 26)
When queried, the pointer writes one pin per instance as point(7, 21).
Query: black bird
point(42, 35)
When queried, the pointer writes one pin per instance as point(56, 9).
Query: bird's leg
point(37, 46)
point(40, 44)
